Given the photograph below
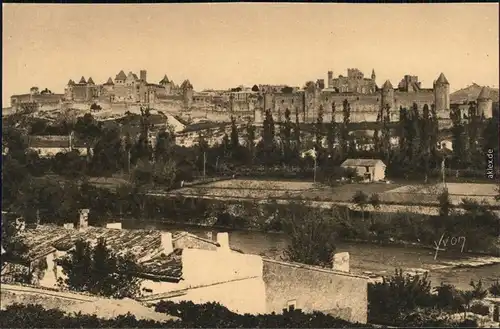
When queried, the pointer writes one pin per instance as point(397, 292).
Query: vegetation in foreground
point(210, 315)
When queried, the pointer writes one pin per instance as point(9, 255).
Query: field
point(388, 193)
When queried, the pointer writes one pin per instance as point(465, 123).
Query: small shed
point(371, 170)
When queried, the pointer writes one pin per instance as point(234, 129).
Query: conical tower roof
point(109, 82)
point(484, 94)
point(387, 85)
point(71, 82)
point(82, 80)
point(90, 81)
point(442, 80)
point(186, 85)
point(121, 76)
point(164, 80)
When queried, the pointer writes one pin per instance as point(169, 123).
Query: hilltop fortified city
point(312, 166)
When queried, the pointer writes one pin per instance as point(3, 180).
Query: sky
point(221, 46)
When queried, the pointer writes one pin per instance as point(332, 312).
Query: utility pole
point(314, 156)
point(443, 167)
point(314, 168)
point(204, 163)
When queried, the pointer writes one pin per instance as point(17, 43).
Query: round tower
point(311, 96)
point(187, 93)
point(387, 95)
point(442, 94)
point(330, 79)
point(484, 104)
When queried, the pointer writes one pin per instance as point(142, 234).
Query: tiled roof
point(362, 163)
point(143, 244)
point(53, 141)
point(121, 76)
point(165, 267)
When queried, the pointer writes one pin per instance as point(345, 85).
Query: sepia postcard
point(250, 165)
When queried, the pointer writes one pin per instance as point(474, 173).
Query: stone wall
point(315, 289)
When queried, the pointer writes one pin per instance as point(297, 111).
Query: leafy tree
point(255, 88)
point(296, 135)
point(99, 271)
point(426, 132)
point(268, 138)
point(319, 134)
point(108, 155)
point(344, 130)
point(386, 133)
point(287, 90)
point(312, 235)
point(250, 142)
point(286, 136)
point(361, 200)
point(395, 296)
point(459, 143)
point(165, 143)
point(495, 289)
point(235, 142)
point(13, 247)
point(444, 204)
point(331, 136)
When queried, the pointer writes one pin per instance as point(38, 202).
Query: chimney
point(143, 75)
point(167, 243)
point(69, 226)
point(340, 262)
point(116, 226)
point(223, 240)
point(84, 219)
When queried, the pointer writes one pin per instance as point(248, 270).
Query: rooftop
point(144, 245)
point(362, 163)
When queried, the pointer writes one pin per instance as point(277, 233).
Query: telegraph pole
point(314, 167)
point(443, 167)
point(204, 164)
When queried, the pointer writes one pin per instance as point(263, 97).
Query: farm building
point(179, 266)
point(371, 170)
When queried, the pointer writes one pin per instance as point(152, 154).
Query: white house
point(371, 170)
point(49, 146)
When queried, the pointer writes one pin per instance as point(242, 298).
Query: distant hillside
point(471, 92)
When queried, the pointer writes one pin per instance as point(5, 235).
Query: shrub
point(480, 309)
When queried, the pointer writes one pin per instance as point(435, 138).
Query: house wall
point(53, 271)
point(223, 276)
point(341, 295)
point(378, 173)
point(239, 296)
point(52, 151)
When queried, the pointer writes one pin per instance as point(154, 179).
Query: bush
point(480, 309)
